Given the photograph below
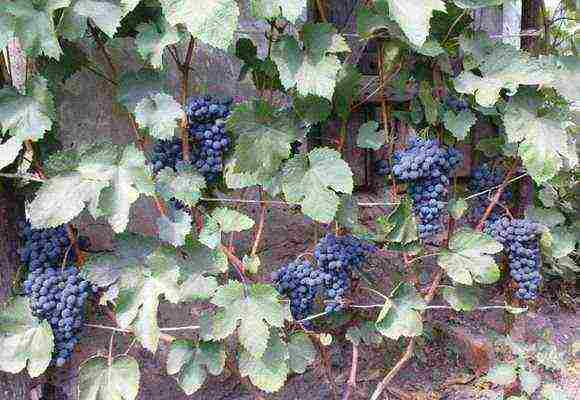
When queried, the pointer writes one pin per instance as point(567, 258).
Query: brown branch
point(102, 48)
point(410, 347)
point(496, 197)
point(260, 229)
point(321, 10)
point(184, 68)
point(351, 384)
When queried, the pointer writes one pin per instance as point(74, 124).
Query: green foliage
point(26, 341)
point(401, 315)
point(257, 310)
point(370, 137)
point(100, 379)
point(313, 181)
point(469, 258)
point(24, 117)
point(192, 363)
point(214, 23)
point(312, 66)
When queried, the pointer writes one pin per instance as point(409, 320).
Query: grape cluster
point(426, 166)
point(382, 168)
point(59, 296)
point(519, 238)
point(298, 281)
point(56, 292)
point(43, 248)
point(483, 178)
point(207, 136)
point(338, 258)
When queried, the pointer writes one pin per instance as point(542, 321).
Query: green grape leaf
point(312, 109)
point(119, 381)
point(457, 207)
point(544, 144)
point(223, 220)
point(106, 14)
point(568, 73)
point(348, 212)
point(552, 391)
point(26, 342)
point(414, 17)
point(549, 217)
point(301, 351)
point(370, 136)
point(461, 298)
point(72, 26)
point(402, 314)
point(268, 372)
point(365, 333)
point(264, 137)
point(313, 181)
point(7, 28)
point(174, 229)
point(129, 179)
point(153, 39)
point(214, 22)
point(271, 9)
point(471, 4)
point(346, 91)
point(24, 116)
point(138, 300)
point(136, 86)
point(400, 225)
point(429, 103)
point(195, 272)
point(160, 114)
point(459, 124)
point(33, 25)
point(313, 69)
point(548, 196)
point(191, 364)
point(529, 380)
point(502, 374)
point(503, 67)
point(185, 185)
point(469, 258)
point(255, 307)
point(564, 242)
point(129, 251)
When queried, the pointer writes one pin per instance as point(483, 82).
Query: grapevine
point(256, 222)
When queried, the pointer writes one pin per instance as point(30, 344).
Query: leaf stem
point(321, 10)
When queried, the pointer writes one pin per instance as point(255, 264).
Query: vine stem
point(321, 11)
point(184, 68)
point(512, 180)
point(260, 229)
point(496, 197)
point(351, 384)
point(410, 347)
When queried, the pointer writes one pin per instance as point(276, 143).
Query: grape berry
point(426, 166)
